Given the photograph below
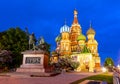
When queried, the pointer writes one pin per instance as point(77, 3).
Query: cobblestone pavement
point(64, 78)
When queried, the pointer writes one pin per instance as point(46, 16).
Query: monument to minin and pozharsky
point(35, 59)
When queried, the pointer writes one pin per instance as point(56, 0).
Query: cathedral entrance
point(85, 67)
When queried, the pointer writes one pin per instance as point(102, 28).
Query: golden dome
point(91, 31)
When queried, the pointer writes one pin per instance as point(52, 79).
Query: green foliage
point(75, 65)
point(85, 50)
point(6, 59)
point(108, 62)
point(101, 77)
point(66, 63)
point(15, 40)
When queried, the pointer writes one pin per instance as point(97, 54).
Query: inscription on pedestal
point(32, 60)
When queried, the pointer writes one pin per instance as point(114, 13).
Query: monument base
point(33, 61)
point(30, 68)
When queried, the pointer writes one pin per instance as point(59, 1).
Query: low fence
point(116, 76)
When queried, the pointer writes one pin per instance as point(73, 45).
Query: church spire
point(65, 21)
point(90, 24)
point(75, 21)
point(90, 30)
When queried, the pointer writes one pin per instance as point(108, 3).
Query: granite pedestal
point(34, 61)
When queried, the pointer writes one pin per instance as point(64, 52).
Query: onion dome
point(91, 31)
point(81, 37)
point(58, 38)
point(64, 28)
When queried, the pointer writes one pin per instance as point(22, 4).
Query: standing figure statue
point(32, 41)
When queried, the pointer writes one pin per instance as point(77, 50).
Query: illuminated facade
point(71, 42)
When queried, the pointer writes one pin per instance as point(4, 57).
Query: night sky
point(45, 18)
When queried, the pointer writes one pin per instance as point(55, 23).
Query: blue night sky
point(45, 17)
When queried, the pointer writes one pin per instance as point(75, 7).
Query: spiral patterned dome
point(64, 28)
point(81, 37)
point(58, 38)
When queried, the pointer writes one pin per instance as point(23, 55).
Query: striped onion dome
point(64, 28)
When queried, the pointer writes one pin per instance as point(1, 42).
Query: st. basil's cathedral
point(72, 42)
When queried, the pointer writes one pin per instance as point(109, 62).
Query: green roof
point(81, 37)
point(58, 38)
point(86, 50)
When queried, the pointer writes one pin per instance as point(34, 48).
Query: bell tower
point(92, 44)
point(75, 31)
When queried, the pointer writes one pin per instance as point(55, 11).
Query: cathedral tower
point(74, 32)
point(65, 48)
point(92, 44)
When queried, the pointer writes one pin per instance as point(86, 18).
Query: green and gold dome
point(58, 38)
point(90, 31)
point(81, 37)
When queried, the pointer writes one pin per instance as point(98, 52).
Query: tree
point(66, 63)
point(5, 59)
point(109, 63)
point(16, 41)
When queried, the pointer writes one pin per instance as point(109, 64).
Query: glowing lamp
point(104, 69)
point(118, 66)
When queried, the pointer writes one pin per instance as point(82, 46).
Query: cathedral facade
point(84, 49)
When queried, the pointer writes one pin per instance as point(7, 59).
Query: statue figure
point(41, 41)
point(41, 44)
point(32, 41)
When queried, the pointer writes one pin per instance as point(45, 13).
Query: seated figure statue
point(41, 41)
point(41, 44)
